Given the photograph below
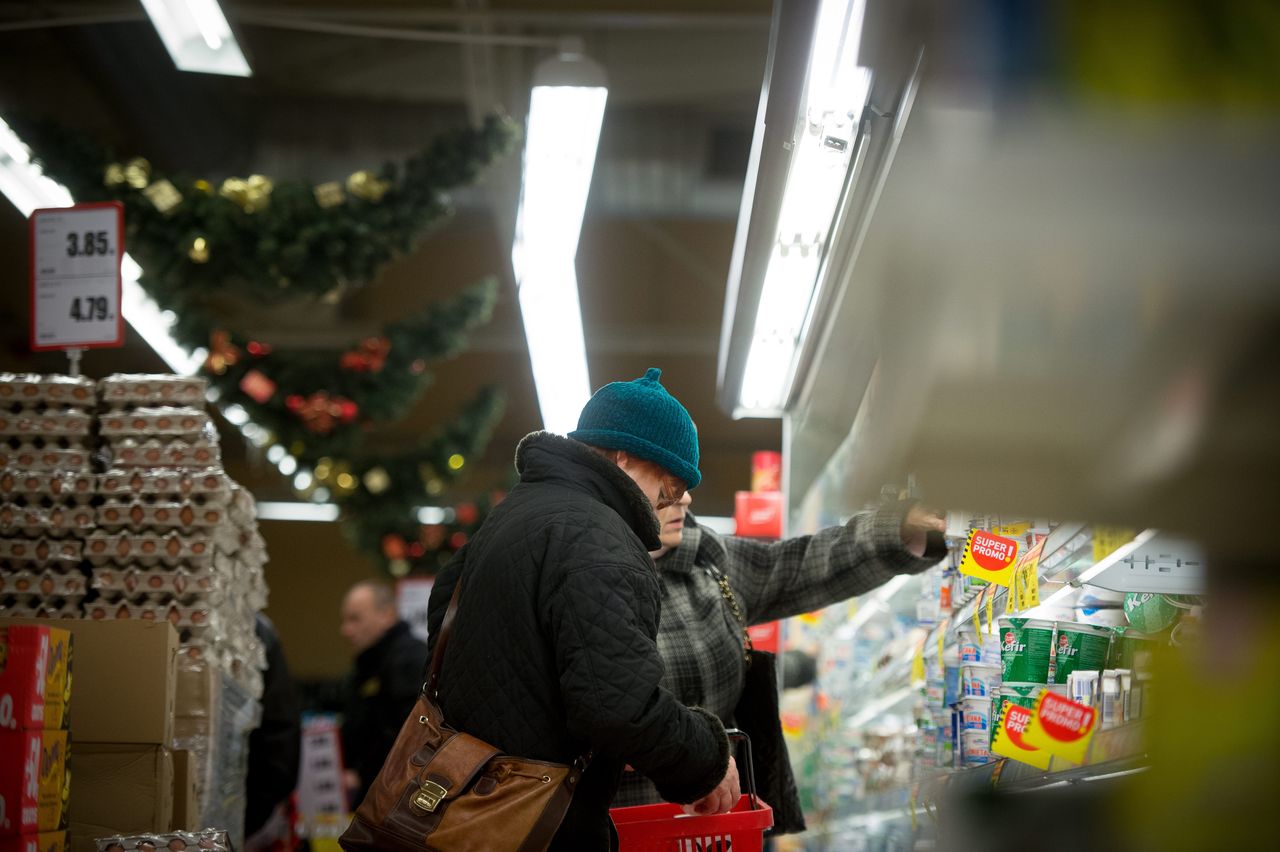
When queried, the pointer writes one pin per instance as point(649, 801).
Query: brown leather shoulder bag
point(441, 790)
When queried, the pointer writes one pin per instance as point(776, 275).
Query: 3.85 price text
point(88, 244)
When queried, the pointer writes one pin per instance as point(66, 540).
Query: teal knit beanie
point(641, 418)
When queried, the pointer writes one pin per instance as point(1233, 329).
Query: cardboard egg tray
point(33, 486)
point(115, 515)
point(207, 485)
point(16, 552)
point(131, 452)
point(127, 389)
point(53, 423)
point(26, 583)
point(40, 608)
point(31, 389)
point(28, 455)
point(210, 839)
point(148, 549)
point(191, 620)
point(33, 521)
point(156, 584)
point(185, 423)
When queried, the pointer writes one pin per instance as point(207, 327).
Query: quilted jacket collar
point(696, 548)
point(547, 457)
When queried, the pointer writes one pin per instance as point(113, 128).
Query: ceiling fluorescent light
point(566, 109)
point(26, 186)
point(836, 91)
point(197, 36)
point(321, 512)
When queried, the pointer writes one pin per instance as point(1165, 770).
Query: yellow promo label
point(989, 557)
point(1008, 740)
point(1061, 727)
point(1028, 571)
point(1013, 530)
point(991, 600)
point(917, 664)
point(1107, 540)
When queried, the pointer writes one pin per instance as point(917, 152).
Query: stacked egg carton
point(46, 489)
point(175, 534)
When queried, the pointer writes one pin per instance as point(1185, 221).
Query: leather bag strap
point(432, 686)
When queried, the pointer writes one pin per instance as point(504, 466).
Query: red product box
point(35, 677)
point(33, 782)
point(49, 841)
point(758, 515)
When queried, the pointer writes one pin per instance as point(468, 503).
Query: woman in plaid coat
point(699, 636)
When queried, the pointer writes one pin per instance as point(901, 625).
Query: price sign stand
point(75, 278)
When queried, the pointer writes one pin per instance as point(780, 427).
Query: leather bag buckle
point(428, 797)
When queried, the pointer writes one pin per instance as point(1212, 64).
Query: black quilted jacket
point(553, 652)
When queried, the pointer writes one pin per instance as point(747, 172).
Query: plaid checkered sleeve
point(780, 579)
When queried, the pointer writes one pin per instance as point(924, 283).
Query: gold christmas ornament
point(398, 567)
point(199, 251)
point(365, 184)
point(456, 461)
point(377, 480)
point(334, 294)
point(330, 194)
point(250, 195)
point(346, 482)
point(204, 186)
point(324, 467)
point(434, 486)
point(113, 175)
point(137, 173)
point(164, 196)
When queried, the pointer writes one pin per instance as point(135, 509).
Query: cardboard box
point(186, 805)
point(46, 842)
point(33, 781)
point(126, 672)
point(122, 788)
point(35, 680)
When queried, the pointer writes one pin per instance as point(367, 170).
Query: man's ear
point(624, 460)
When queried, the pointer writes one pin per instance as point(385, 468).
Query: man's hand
point(916, 526)
point(720, 800)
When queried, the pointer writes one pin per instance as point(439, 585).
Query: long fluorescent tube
point(320, 512)
point(566, 109)
point(27, 187)
point(836, 91)
point(197, 36)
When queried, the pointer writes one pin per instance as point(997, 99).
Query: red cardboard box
point(33, 782)
point(35, 677)
point(758, 515)
point(50, 841)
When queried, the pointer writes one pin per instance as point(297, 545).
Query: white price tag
point(75, 276)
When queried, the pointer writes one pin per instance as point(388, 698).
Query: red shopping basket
point(667, 828)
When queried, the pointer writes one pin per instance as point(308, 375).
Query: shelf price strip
point(989, 557)
point(1061, 727)
point(1009, 740)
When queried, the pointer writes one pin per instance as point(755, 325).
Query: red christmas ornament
point(467, 513)
point(416, 550)
point(393, 546)
point(257, 349)
point(369, 357)
point(321, 412)
point(222, 353)
point(257, 387)
point(457, 540)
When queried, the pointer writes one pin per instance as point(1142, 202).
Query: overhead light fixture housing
point(197, 36)
point(566, 110)
point(806, 142)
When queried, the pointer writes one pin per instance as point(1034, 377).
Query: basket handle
point(741, 738)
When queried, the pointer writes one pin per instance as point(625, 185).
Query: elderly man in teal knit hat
point(552, 654)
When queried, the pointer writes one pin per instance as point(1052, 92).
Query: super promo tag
point(1009, 739)
point(1061, 727)
point(989, 557)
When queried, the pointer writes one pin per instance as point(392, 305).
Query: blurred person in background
point(701, 637)
point(274, 747)
point(383, 684)
point(552, 653)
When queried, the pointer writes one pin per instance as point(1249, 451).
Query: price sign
point(1061, 727)
point(75, 276)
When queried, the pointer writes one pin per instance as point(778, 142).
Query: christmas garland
point(205, 250)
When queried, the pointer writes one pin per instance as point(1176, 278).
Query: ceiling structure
point(340, 85)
